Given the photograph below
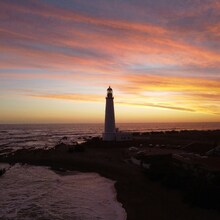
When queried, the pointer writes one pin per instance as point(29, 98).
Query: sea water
point(14, 137)
point(30, 192)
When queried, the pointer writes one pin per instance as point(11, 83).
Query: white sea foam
point(29, 192)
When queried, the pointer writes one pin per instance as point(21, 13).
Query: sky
point(161, 57)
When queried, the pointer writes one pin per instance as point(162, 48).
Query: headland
point(148, 171)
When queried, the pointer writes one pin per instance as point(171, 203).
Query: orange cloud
point(159, 40)
point(144, 82)
point(160, 106)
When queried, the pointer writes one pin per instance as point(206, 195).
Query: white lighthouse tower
point(110, 131)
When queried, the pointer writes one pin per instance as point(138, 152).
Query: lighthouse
point(110, 131)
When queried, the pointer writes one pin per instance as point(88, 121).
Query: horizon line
point(71, 123)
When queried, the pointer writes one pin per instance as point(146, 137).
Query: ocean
point(30, 192)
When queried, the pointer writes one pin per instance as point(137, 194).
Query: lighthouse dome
point(109, 89)
point(109, 92)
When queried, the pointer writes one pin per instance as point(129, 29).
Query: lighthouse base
point(109, 136)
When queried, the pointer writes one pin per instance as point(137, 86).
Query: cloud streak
point(159, 106)
point(71, 97)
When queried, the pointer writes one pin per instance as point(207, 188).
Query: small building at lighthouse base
point(117, 136)
point(124, 136)
point(109, 136)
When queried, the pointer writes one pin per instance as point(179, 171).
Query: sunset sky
point(161, 57)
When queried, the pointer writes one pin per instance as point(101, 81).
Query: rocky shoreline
point(141, 197)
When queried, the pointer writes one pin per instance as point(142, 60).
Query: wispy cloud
point(71, 97)
point(159, 106)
